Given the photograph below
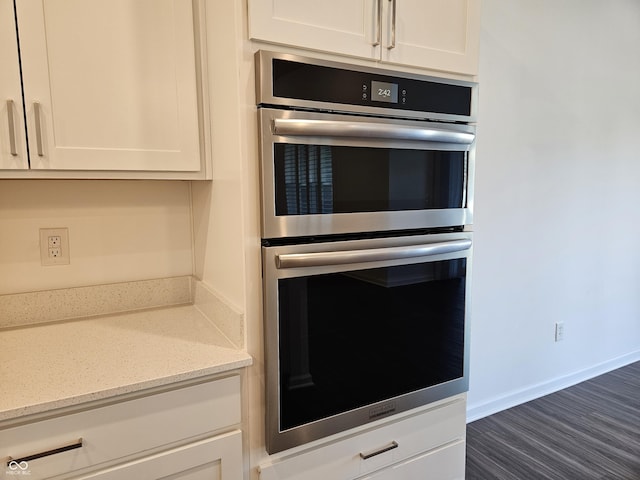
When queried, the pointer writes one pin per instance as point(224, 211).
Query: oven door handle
point(328, 128)
point(319, 259)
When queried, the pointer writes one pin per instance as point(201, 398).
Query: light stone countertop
point(49, 366)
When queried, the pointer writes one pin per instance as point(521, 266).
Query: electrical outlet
point(54, 241)
point(559, 331)
point(54, 246)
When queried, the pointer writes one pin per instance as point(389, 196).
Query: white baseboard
point(476, 412)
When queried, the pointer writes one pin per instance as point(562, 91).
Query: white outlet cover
point(45, 258)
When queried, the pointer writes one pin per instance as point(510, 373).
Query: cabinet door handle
point(392, 44)
point(36, 112)
point(12, 128)
point(373, 453)
point(378, 23)
point(17, 462)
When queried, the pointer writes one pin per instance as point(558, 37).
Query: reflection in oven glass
point(315, 179)
point(355, 338)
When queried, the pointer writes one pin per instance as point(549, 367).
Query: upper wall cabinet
point(108, 86)
point(434, 34)
point(13, 148)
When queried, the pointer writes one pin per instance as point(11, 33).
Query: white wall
point(118, 231)
point(557, 194)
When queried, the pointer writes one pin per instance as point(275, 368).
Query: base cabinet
point(446, 463)
point(217, 458)
point(428, 444)
point(190, 433)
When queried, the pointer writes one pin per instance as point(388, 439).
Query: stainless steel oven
point(336, 159)
point(367, 202)
point(359, 330)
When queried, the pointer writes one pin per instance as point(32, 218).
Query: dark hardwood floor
point(588, 431)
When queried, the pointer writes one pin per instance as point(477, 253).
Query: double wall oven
point(367, 202)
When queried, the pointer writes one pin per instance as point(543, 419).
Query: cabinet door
point(346, 27)
point(217, 458)
point(110, 84)
point(436, 34)
point(13, 149)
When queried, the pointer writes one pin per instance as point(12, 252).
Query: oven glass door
point(325, 179)
point(352, 336)
point(328, 174)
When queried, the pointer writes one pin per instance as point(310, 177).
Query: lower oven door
point(359, 330)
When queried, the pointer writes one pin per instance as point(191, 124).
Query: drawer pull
point(373, 453)
point(28, 458)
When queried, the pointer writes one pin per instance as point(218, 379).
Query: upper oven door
point(328, 173)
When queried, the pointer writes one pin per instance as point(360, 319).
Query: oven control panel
point(357, 86)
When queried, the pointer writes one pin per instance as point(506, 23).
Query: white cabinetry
point(218, 458)
point(190, 432)
point(434, 34)
point(445, 463)
point(109, 85)
point(428, 444)
point(332, 25)
point(13, 149)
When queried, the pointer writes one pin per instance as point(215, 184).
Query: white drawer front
point(446, 463)
point(121, 429)
point(395, 442)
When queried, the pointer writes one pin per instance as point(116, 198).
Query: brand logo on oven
point(382, 410)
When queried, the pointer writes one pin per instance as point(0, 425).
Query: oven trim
point(277, 440)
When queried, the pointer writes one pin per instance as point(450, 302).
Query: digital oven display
point(384, 92)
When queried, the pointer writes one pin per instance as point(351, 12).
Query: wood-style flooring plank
point(590, 431)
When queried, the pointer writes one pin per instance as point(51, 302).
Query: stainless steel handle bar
point(328, 128)
point(319, 259)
